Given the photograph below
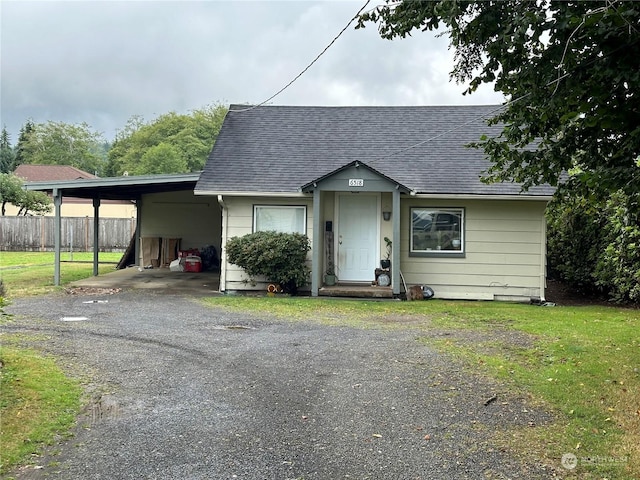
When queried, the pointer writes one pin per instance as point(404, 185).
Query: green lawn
point(38, 404)
point(31, 273)
point(583, 364)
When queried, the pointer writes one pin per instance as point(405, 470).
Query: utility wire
point(469, 122)
point(308, 66)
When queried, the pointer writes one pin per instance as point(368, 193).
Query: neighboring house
point(72, 206)
point(350, 176)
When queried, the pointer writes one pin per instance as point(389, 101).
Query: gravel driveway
point(184, 391)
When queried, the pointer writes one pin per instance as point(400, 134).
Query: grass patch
point(355, 313)
point(583, 363)
point(38, 404)
point(31, 273)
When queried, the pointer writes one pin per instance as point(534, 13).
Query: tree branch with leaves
point(570, 72)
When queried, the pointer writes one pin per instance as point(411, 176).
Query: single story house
point(350, 176)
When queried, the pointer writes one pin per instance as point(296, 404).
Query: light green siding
point(504, 255)
point(504, 251)
point(238, 221)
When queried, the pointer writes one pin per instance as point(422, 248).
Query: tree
point(162, 158)
point(7, 155)
point(25, 131)
point(32, 202)
point(12, 191)
point(180, 142)
point(571, 72)
point(58, 143)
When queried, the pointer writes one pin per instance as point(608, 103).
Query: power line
point(308, 66)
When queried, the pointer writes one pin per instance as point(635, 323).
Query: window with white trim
point(437, 231)
point(280, 218)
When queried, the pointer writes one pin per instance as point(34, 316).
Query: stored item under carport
point(193, 264)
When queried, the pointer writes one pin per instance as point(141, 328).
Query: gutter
point(252, 194)
point(466, 196)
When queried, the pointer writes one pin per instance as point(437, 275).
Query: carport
point(132, 188)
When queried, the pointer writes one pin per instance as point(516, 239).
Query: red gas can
point(192, 264)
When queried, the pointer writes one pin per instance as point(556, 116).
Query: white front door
point(357, 242)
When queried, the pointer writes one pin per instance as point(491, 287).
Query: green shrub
point(575, 242)
point(618, 268)
point(280, 257)
point(594, 246)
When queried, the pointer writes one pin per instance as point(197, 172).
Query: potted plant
point(386, 262)
point(330, 276)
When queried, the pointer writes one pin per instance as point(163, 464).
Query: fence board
point(24, 234)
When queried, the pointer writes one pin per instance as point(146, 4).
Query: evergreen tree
point(7, 155)
point(20, 156)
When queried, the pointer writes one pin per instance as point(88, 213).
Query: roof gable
point(279, 149)
point(355, 176)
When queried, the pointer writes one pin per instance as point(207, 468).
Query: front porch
point(354, 208)
point(355, 290)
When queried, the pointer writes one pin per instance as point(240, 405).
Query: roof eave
point(111, 182)
point(255, 193)
point(487, 196)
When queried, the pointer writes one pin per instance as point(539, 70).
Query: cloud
point(102, 62)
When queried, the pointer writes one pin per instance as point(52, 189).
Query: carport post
point(57, 234)
point(96, 234)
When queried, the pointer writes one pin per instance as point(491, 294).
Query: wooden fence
point(27, 234)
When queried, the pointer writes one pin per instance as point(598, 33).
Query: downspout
point(395, 251)
point(543, 259)
point(316, 269)
point(223, 245)
point(138, 247)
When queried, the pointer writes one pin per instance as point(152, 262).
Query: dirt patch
point(92, 291)
point(563, 295)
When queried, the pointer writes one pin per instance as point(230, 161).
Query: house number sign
point(356, 182)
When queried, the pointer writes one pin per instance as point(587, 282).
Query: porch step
point(356, 291)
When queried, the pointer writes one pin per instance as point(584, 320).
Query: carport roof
point(118, 188)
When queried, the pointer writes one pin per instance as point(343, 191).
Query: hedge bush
point(280, 257)
point(594, 246)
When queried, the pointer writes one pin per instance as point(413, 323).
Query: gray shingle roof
point(281, 148)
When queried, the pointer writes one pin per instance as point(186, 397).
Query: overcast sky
point(103, 62)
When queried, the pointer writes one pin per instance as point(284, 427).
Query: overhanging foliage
point(571, 71)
